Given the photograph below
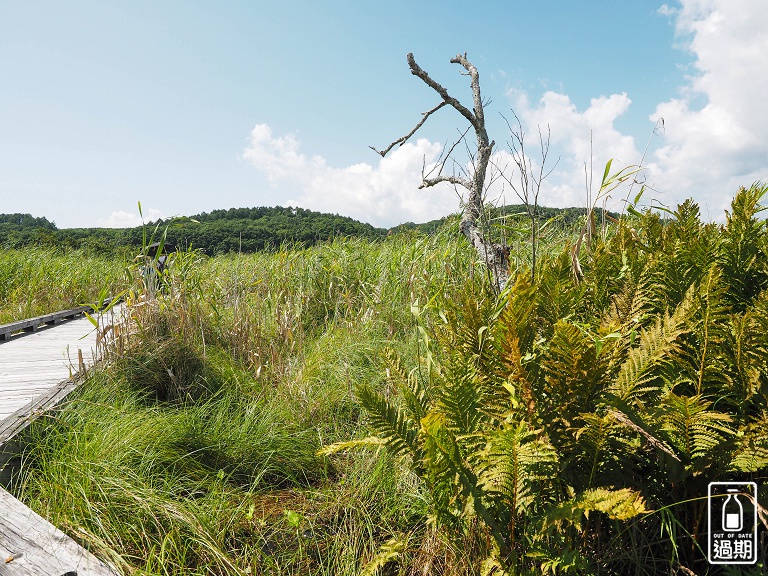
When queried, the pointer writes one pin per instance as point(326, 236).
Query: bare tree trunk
point(495, 255)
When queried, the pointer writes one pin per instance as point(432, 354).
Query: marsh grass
point(36, 280)
point(193, 448)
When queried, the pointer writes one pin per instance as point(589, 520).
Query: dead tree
point(495, 255)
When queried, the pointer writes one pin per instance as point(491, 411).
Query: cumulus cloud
point(714, 137)
point(383, 194)
point(579, 139)
point(123, 219)
point(712, 149)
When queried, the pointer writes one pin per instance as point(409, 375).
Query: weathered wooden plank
point(38, 547)
point(7, 331)
point(21, 418)
point(34, 363)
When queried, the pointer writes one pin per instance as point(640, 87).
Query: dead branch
point(529, 186)
point(405, 138)
point(495, 256)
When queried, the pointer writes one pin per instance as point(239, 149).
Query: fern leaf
point(388, 552)
point(572, 374)
point(446, 464)
point(594, 439)
point(398, 432)
point(414, 394)
point(623, 504)
point(750, 458)
point(460, 396)
point(369, 442)
point(638, 374)
point(694, 429)
point(517, 319)
point(514, 460)
point(742, 257)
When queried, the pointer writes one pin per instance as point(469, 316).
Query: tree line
point(219, 231)
point(237, 229)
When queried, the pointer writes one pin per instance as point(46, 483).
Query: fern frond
point(460, 396)
point(639, 373)
point(413, 391)
point(395, 429)
point(694, 429)
point(573, 375)
point(514, 461)
point(559, 560)
point(388, 552)
point(492, 567)
point(749, 353)
point(626, 308)
point(445, 465)
point(701, 349)
point(369, 442)
point(396, 372)
point(517, 319)
point(594, 440)
point(744, 263)
point(751, 455)
point(622, 504)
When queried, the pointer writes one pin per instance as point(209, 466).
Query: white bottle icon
point(733, 512)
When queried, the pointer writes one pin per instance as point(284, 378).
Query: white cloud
point(710, 151)
point(666, 10)
point(123, 219)
point(707, 152)
point(577, 139)
point(383, 194)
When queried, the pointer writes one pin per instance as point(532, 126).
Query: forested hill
point(244, 229)
point(236, 229)
point(253, 229)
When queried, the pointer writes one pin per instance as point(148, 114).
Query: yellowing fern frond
point(388, 552)
point(369, 442)
point(694, 429)
point(622, 504)
point(638, 374)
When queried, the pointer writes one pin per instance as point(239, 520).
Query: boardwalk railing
point(34, 324)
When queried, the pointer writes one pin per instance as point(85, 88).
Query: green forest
point(243, 230)
point(220, 231)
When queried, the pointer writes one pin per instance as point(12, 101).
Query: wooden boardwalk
point(31, 364)
point(36, 373)
point(32, 546)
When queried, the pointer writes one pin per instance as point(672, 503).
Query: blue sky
point(193, 106)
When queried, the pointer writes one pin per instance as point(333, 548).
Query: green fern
point(751, 454)
point(599, 441)
point(622, 504)
point(392, 424)
point(694, 429)
point(388, 552)
point(743, 260)
point(413, 392)
point(640, 374)
point(515, 459)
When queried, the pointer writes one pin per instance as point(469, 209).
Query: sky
point(190, 106)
